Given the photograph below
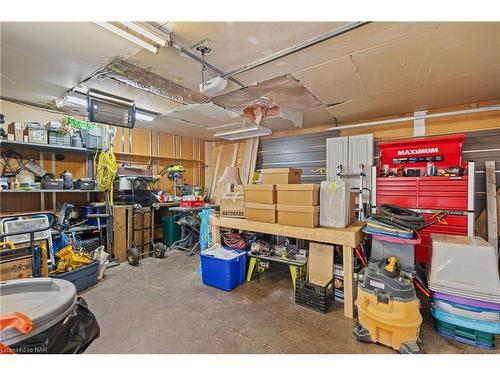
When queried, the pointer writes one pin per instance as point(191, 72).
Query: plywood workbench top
point(350, 236)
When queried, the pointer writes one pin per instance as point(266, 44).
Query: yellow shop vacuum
point(388, 308)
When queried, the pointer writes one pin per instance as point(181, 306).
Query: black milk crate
point(316, 297)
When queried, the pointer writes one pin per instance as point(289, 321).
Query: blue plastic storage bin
point(82, 277)
point(88, 210)
point(222, 273)
point(475, 324)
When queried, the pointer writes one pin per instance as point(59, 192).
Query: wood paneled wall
point(142, 146)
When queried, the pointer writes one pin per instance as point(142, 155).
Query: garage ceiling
point(380, 69)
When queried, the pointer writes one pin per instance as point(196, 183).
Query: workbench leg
point(348, 255)
point(215, 234)
point(251, 267)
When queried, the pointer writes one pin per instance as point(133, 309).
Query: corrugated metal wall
point(308, 153)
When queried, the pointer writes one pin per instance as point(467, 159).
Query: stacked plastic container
point(464, 279)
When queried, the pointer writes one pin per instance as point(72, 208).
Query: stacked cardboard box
point(298, 204)
point(281, 176)
point(260, 203)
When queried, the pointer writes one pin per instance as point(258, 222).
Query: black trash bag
point(72, 335)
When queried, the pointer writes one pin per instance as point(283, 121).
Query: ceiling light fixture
point(146, 33)
point(143, 116)
point(242, 133)
point(127, 35)
point(82, 102)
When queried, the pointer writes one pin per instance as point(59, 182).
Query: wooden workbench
point(349, 238)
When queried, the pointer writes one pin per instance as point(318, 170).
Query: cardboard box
point(18, 129)
point(265, 213)
point(264, 194)
point(37, 133)
point(299, 216)
point(302, 194)
point(320, 263)
point(233, 205)
point(281, 176)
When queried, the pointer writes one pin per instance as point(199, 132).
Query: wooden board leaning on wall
point(240, 154)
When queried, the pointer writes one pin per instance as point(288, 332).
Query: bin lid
point(44, 300)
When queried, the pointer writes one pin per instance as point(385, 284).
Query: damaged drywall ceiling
point(284, 92)
point(42, 60)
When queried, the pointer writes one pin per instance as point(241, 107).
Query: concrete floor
point(161, 306)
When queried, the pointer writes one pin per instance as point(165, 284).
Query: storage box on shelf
point(281, 176)
point(18, 129)
point(260, 193)
point(36, 133)
point(260, 212)
point(298, 194)
point(299, 216)
point(233, 205)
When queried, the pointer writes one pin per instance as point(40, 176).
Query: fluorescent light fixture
point(146, 33)
point(82, 102)
point(143, 116)
point(241, 133)
point(124, 34)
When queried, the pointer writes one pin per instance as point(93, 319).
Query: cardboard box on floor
point(260, 193)
point(299, 216)
point(281, 176)
point(320, 263)
point(260, 212)
point(233, 205)
point(298, 194)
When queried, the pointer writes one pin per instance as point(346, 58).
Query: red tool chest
point(428, 195)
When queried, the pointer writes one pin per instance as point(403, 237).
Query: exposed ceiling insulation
point(150, 82)
point(142, 99)
point(284, 92)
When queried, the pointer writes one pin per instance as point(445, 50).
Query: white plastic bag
point(217, 251)
point(334, 204)
point(103, 258)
